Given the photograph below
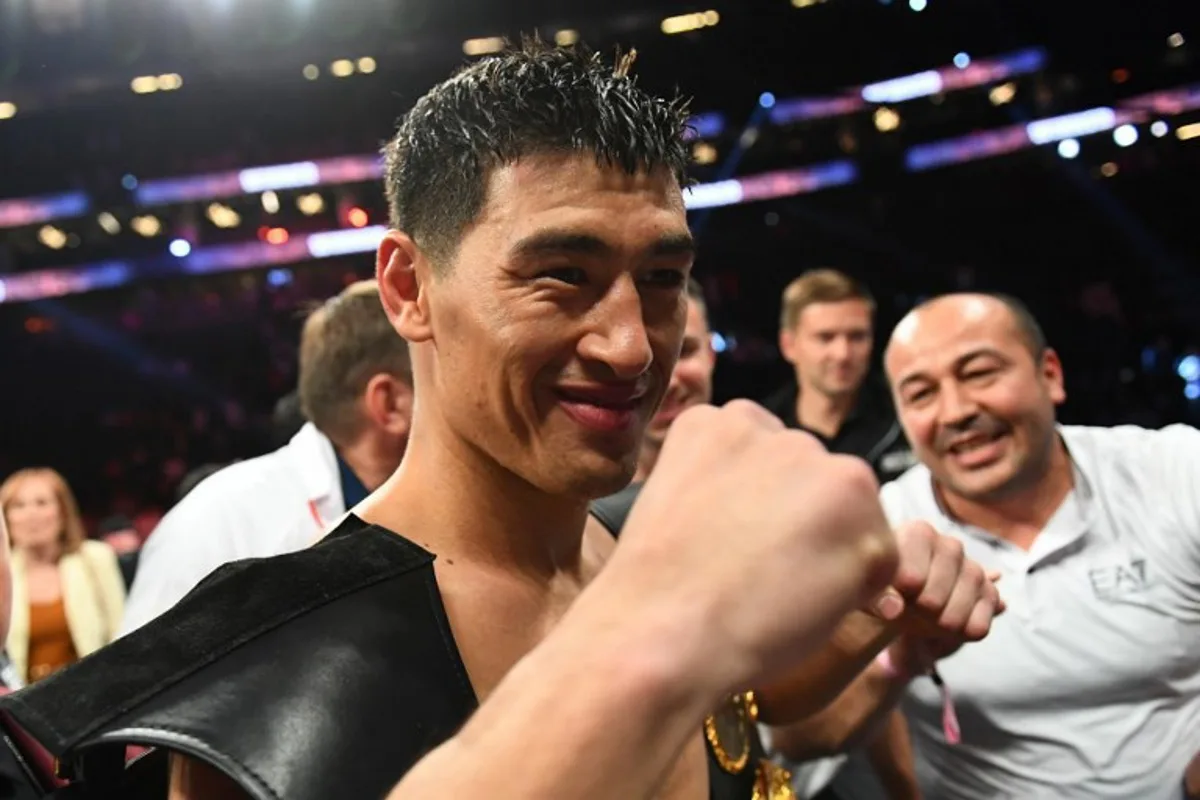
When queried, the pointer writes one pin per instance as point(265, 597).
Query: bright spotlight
point(180, 248)
point(270, 202)
point(1188, 368)
point(1125, 135)
point(367, 65)
point(962, 60)
point(8, 110)
point(766, 100)
point(1159, 129)
point(917, 5)
point(1068, 148)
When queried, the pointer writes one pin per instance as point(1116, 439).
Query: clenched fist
point(755, 540)
point(948, 599)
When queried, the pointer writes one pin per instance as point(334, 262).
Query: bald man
point(1090, 686)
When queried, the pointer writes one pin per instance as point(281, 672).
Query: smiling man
point(1089, 687)
point(464, 627)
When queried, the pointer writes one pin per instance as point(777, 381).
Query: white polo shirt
point(1089, 686)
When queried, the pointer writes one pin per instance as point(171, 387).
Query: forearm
point(824, 678)
point(891, 755)
point(585, 715)
point(849, 721)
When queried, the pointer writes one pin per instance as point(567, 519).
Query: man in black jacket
point(826, 334)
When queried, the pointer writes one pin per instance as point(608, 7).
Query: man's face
point(691, 380)
point(554, 332)
point(976, 405)
point(830, 347)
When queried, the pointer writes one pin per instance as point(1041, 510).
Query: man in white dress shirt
point(1089, 687)
point(356, 390)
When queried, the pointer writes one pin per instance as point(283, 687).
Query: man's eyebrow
point(572, 243)
point(959, 363)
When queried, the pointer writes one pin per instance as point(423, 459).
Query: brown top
point(50, 645)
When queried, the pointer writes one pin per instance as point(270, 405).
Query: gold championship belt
point(730, 731)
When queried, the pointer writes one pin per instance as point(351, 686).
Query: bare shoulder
point(195, 780)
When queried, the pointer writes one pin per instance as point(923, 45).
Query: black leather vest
point(319, 674)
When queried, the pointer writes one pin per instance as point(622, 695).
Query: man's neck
point(822, 412)
point(371, 461)
point(647, 458)
point(450, 500)
point(1020, 516)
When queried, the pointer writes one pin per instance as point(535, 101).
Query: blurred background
point(179, 179)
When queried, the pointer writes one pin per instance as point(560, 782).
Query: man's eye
point(664, 278)
point(569, 275)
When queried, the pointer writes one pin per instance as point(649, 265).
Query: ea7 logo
point(1121, 580)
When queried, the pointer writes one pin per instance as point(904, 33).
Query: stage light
point(690, 22)
point(1175, 40)
point(311, 72)
point(1108, 169)
point(483, 46)
point(277, 236)
point(1004, 93)
point(886, 119)
point(367, 65)
point(1185, 132)
point(1192, 391)
point(169, 82)
point(962, 60)
point(357, 217)
point(310, 204)
point(1125, 135)
point(129, 182)
point(1068, 148)
point(270, 202)
point(766, 100)
point(917, 5)
point(342, 68)
point(1159, 129)
point(805, 3)
point(566, 37)
point(279, 277)
point(52, 237)
point(8, 110)
point(144, 84)
point(109, 223)
point(180, 248)
point(704, 153)
point(223, 216)
point(147, 226)
point(1188, 368)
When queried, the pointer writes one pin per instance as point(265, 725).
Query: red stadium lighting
point(358, 218)
point(277, 236)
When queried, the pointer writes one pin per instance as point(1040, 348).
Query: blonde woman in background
point(67, 592)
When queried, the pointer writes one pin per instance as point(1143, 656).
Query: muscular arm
point(849, 721)
point(822, 679)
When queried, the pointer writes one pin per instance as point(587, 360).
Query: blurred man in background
point(826, 333)
point(356, 388)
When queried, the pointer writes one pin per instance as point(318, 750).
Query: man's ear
point(402, 272)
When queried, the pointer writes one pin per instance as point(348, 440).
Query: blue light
point(1192, 391)
point(180, 248)
point(718, 342)
point(766, 100)
point(962, 60)
point(279, 277)
point(917, 5)
point(1149, 359)
point(1188, 368)
point(129, 182)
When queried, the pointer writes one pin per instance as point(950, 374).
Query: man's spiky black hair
point(530, 99)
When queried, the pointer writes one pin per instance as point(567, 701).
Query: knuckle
point(854, 475)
